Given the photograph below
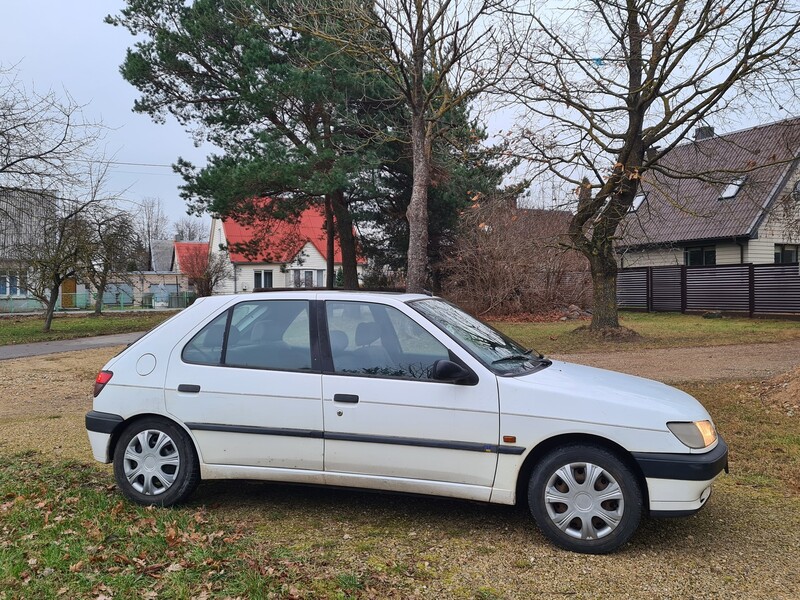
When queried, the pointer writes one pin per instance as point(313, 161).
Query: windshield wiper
point(524, 356)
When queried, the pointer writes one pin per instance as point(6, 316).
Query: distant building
point(22, 213)
point(745, 209)
point(294, 254)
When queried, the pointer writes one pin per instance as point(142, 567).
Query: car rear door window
point(269, 334)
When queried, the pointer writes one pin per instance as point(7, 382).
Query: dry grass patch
point(761, 423)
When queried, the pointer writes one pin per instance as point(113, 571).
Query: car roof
point(321, 294)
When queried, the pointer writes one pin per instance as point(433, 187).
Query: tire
point(578, 515)
point(155, 463)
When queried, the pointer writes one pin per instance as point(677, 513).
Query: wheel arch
point(123, 425)
point(546, 446)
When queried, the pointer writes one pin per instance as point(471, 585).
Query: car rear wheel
point(585, 499)
point(155, 463)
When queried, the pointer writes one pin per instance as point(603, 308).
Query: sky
point(65, 45)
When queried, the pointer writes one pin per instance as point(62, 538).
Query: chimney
point(703, 133)
point(651, 152)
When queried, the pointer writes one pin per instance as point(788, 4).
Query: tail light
point(103, 377)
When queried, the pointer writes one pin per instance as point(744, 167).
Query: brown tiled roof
point(680, 208)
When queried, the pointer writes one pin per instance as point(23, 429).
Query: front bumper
point(680, 484)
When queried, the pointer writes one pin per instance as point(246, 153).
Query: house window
point(13, 286)
point(700, 256)
point(637, 201)
point(296, 275)
point(308, 279)
point(3, 285)
point(785, 253)
point(320, 278)
point(732, 188)
point(262, 279)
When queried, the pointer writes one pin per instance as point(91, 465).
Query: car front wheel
point(155, 463)
point(585, 499)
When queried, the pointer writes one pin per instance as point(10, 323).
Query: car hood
point(580, 393)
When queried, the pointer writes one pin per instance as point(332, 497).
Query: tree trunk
point(98, 302)
point(417, 212)
point(347, 241)
point(330, 276)
point(51, 307)
point(604, 280)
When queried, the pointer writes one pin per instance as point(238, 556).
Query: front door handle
point(350, 398)
point(189, 388)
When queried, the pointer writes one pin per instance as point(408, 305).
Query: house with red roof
point(187, 256)
point(287, 254)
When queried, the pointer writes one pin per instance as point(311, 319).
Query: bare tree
point(189, 229)
point(45, 140)
point(507, 260)
point(66, 242)
point(152, 224)
point(111, 243)
point(205, 270)
point(437, 55)
point(612, 86)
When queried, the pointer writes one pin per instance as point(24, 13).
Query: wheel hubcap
point(584, 501)
point(151, 462)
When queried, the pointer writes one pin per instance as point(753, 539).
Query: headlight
point(695, 434)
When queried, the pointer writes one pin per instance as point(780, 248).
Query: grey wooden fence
point(747, 288)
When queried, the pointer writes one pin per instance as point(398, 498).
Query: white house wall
point(242, 275)
point(728, 253)
point(217, 238)
point(779, 227)
point(657, 257)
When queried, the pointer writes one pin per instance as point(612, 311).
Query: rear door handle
point(351, 398)
point(188, 388)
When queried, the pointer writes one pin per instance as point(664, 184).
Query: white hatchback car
point(397, 392)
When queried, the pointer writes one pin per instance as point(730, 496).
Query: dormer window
point(733, 188)
point(637, 201)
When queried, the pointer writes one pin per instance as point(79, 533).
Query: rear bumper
point(680, 484)
point(100, 426)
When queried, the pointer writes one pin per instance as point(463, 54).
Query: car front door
point(247, 387)
point(385, 414)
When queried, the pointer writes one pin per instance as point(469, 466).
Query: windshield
point(501, 354)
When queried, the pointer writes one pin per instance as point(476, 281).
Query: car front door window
point(379, 340)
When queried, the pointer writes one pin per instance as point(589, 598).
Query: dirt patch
point(673, 365)
point(609, 334)
point(45, 400)
point(782, 394)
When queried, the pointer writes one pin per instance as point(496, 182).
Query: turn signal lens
point(103, 377)
point(695, 434)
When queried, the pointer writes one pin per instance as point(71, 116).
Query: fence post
point(751, 272)
point(683, 288)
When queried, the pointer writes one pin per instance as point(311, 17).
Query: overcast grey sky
point(64, 45)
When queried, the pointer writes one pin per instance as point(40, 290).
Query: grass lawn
point(657, 330)
point(23, 329)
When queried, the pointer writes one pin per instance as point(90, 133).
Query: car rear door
point(247, 385)
point(385, 415)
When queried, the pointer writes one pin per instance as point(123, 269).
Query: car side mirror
point(447, 370)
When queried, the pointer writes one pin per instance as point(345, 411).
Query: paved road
point(39, 348)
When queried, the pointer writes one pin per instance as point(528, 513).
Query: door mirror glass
point(447, 370)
